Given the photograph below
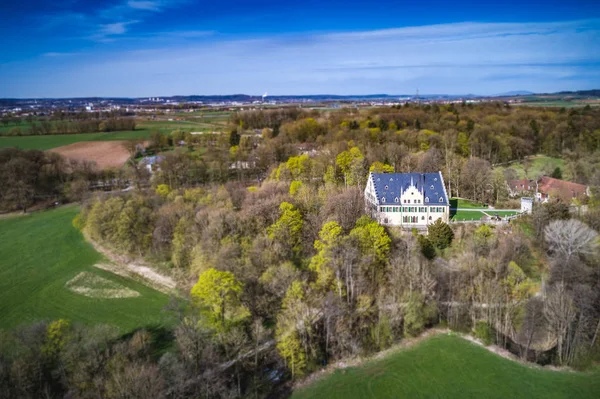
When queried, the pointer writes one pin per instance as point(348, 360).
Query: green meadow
point(46, 142)
point(450, 367)
point(47, 272)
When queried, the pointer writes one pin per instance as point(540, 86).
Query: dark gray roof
point(389, 186)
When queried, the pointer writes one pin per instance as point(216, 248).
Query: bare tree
point(570, 238)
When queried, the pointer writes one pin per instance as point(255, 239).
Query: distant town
point(241, 102)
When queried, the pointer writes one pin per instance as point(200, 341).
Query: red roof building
point(565, 190)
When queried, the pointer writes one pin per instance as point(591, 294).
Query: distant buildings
point(407, 199)
point(152, 163)
point(547, 187)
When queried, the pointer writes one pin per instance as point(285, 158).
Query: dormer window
point(431, 187)
point(383, 200)
point(441, 199)
point(426, 199)
point(435, 179)
point(396, 199)
point(391, 179)
point(386, 187)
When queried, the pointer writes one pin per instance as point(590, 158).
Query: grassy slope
point(450, 367)
point(539, 164)
point(39, 253)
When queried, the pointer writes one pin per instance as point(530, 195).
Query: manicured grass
point(450, 367)
point(538, 166)
point(39, 254)
point(46, 142)
point(466, 215)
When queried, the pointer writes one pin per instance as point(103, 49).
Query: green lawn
point(450, 367)
point(40, 253)
point(460, 216)
point(46, 142)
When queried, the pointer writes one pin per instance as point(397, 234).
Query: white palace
point(407, 199)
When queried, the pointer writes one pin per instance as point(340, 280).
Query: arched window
point(396, 199)
point(441, 199)
point(383, 200)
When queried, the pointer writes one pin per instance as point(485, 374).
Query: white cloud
point(117, 28)
point(145, 5)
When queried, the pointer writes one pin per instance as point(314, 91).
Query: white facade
point(413, 204)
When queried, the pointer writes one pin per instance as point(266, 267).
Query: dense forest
point(280, 270)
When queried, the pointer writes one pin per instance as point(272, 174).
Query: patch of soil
point(105, 154)
point(125, 267)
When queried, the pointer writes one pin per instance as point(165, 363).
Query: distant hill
point(515, 93)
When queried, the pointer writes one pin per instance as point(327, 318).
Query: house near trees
point(407, 199)
point(546, 188)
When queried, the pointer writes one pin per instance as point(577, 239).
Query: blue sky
point(131, 48)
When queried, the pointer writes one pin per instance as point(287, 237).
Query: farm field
point(450, 367)
point(538, 165)
point(47, 142)
point(47, 272)
point(106, 154)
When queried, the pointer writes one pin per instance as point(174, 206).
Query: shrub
point(484, 333)
point(440, 234)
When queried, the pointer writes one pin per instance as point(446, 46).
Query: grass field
point(47, 142)
point(42, 258)
point(450, 367)
point(557, 104)
point(538, 165)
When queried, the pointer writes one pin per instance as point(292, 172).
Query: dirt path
point(137, 270)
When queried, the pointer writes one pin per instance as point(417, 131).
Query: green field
point(538, 166)
point(460, 216)
point(40, 257)
point(47, 142)
point(450, 367)
point(557, 104)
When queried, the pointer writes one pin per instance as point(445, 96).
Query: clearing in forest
point(105, 154)
point(450, 367)
point(47, 272)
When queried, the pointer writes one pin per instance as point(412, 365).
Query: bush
point(484, 333)
point(440, 234)
point(426, 246)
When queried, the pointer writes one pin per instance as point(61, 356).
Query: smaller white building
point(407, 199)
point(526, 204)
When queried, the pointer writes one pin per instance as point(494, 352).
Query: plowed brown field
point(106, 154)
